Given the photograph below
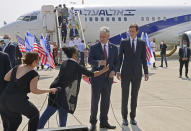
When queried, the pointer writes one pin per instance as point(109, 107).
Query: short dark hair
point(134, 26)
point(69, 51)
point(30, 57)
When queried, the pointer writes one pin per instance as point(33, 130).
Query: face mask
point(184, 45)
point(6, 41)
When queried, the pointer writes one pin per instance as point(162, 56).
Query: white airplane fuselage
point(163, 23)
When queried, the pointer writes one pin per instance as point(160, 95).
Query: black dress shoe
point(125, 122)
point(133, 122)
point(92, 127)
point(107, 126)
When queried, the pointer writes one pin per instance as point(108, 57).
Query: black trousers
point(182, 63)
point(4, 121)
point(82, 59)
point(155, 59)
point(100, 88)
point(64, 35)
point(125, 85)
point(14, 107)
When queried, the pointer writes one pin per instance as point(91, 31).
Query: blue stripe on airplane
point(154, 27)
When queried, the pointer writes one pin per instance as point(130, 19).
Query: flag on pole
point(39, 49)
point(29, 42)
point(46, 46)
point(150, 56)
point(21, 44)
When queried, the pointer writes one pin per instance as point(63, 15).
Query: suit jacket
point(4, 68)
point(96, 53)
point(11, 51)
point(18, 56)
point(132, 64)
point(72, 32)
point(69, 76)
point(163, 48)
point(181, 54)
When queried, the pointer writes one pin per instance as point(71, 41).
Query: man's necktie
point(105, 53)
point(133, 47)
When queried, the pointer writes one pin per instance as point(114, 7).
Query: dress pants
point(101, 87)
point(125, 85)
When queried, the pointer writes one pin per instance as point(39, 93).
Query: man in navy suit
point(132, 57)
point(101, 54)
point(10, 49)
point(4, 68)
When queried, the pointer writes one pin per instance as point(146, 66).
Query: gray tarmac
point(164, 102)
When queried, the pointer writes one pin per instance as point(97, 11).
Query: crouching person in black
point(68, 84)
point(14, 100)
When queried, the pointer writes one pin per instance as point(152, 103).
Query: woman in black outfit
point(14, 100)
point(68, 84)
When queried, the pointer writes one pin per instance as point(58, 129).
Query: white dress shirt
point(135, 42)
point(71, 43)
point(77, 41)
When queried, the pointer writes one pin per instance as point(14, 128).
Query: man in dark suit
point(184, 56)
point(133, 57)
point(10, 49)
point(64, 31)
point(1, 44)
point(4, 68)
point(100, 55)
point(163, 48)
point(73, 32)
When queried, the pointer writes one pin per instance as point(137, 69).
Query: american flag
point(46, 46)
point(39, 49)
point(150, 56)
point(21, 44)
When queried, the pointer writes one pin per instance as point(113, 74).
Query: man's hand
point(118, 75)
point(102, 62)
point(111, 74)
point(146, 77)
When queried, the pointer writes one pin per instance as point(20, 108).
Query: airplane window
point(26, 18)
point(186, 18)
point(33, 18)
point(159, 18)
point(102, 19)
point(147, 18)
point(113, 18)
point(96, 18)
point(90, 18)
point(153, 18)
point(175, 19)
point(164, 18)
point(107, 18)
point(119, 18)
point(142, 18)
point(20, 18)
point(125, 18)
